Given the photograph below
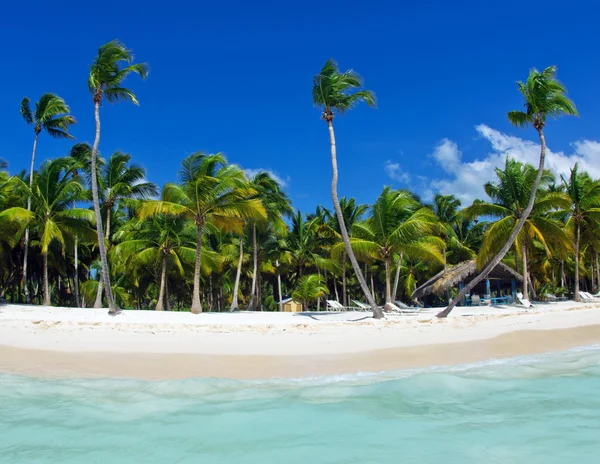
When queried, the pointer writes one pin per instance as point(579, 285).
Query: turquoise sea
point(541, 409)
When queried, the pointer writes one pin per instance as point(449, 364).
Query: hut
point(291, 306)
point(502, 280)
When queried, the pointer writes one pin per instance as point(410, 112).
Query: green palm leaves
point(112, 65)
point(544, 97)
point(51, 114)
point(336, 91)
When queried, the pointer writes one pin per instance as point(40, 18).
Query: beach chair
point(400, 308)
point(523, 301)
point(586, 296)
point(362, 306)
point(475, 300)
point(335, 306)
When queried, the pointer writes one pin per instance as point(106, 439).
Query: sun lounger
point(588, 297)
point(523, 301)
point(335, 305)
point(362, 306)
point(401, 308)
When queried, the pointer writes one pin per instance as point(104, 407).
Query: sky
point(236, 77)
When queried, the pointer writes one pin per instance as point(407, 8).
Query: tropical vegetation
point(83, 230)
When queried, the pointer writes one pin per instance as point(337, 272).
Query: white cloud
point(466, 179)
point(447, 155)
point(283, 181)
point(395, 172)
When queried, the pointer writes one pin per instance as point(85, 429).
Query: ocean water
point(541, 409)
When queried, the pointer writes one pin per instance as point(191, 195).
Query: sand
point(68, 342)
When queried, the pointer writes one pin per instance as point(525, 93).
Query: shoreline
point(58, 343)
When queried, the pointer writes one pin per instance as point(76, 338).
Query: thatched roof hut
point(463, 272)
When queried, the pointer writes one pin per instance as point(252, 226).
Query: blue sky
point(236, 77)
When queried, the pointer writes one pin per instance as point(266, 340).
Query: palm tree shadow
point(312, 315)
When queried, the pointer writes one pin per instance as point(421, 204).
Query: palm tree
point(51, 115)
point(159, 238)
point(277, 206)
point(398, 223)
point(544, 97)
point(583, 210)
point(210, 192)
point(310, 288)
point(510, 195)
point(333, 92)
point(54, 195)
point(108, 71)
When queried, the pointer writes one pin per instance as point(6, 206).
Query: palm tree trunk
point(98, 301)
point(577, 242)
point(46, 284)
point(252, 302)
point(26, 250)
point(397, 278)
point(112, 308)
point(108, 211)
point(196, 304)
point(513, 236)
point(337, 297)
point(377, 312)
point(344, 283)
point(163, 280)
point(76, 276)
point(236, 286)
point(525, 272)
point(597, 274)
point(279, 286)
point(372, 285)
point(388, 281)
point(562, 273)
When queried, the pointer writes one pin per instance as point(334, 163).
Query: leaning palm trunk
point(196, 304)
point(163, 280)
point(397, 278)
point(76, 276)
point(252, 302)
point(525, 273)
point(577, 244)
point(279, 286)
point(344, 281)
point(377, 312)
point(513, 236)
point(236, 287)
point(112, 308)
point(26, 250)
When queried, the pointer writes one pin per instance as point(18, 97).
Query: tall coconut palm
point(55, 193)
point(398, 223)
point(51, 115)
point(510, 195)
point(337, 92)
point(277, 206)
point(110, 68)
point(583, 211)
point(210, 192)
point(544, 97)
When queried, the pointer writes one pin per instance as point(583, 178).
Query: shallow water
point(539, 409)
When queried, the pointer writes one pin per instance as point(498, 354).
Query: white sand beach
point(50, 341)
